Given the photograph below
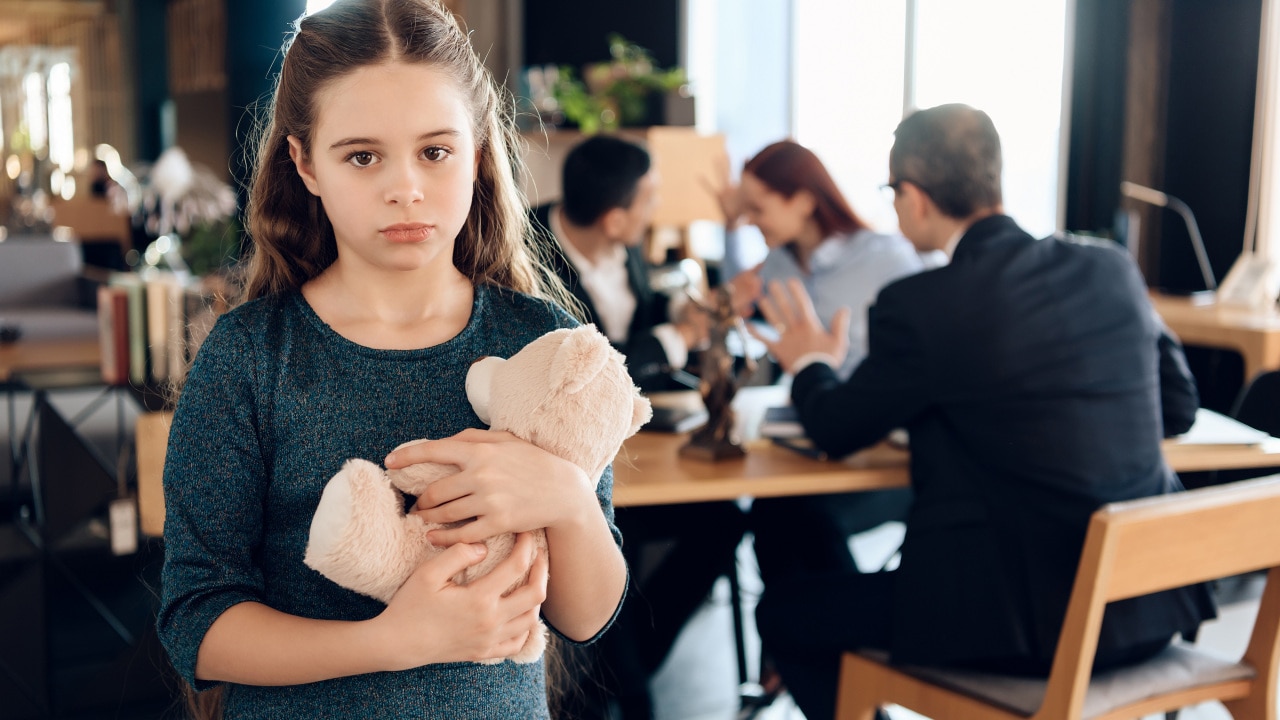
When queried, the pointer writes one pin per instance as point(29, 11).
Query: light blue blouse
point(847, 271)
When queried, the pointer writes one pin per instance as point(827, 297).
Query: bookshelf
point(150, 326)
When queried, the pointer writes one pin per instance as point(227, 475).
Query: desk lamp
point(1159, 199)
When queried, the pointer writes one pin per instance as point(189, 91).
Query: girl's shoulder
point(513, 309)
point(255, 322)
point(260, 311)
point(506, 320)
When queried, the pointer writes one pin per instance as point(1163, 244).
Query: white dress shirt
point(609, 288)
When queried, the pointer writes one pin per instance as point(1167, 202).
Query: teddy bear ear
point(641, 413)
point(582, 355)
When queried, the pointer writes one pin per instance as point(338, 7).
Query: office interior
point(1173, 96)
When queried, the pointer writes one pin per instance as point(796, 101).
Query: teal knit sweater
point(274, 403)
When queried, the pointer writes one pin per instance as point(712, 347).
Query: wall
point(1097, 114)
point(1208, 139)
point(573, 32)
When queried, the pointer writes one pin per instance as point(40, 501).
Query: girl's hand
point(505, 483)
point(431, 619)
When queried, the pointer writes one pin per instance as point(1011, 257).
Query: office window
point(34, 112)
point(62, 146)
point(850, 60)
point(859, 64)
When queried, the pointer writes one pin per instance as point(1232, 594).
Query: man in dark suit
point(675, 552)
point(1035, 382)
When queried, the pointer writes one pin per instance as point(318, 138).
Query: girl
point(389, 253)
point(814, 235)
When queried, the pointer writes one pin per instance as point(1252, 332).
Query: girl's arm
point(510, 485)
point(429, 620)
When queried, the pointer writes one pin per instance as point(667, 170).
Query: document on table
point(1211, 428)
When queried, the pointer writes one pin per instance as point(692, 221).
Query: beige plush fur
point(568, 392)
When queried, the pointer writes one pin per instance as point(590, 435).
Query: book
point(176, 332)
point(781, 421)
point(157, 292)
point(113, 334)
point(135, 289)
point(202, 308)
point(676, 420)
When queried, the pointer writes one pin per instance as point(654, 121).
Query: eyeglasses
point(892, 189)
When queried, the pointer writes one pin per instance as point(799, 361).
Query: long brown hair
point(787, 167)
point(292, 240)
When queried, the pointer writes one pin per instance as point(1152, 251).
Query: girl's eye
point(361, 159)
point(435, 153)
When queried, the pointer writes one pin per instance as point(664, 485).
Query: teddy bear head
point(568, 392)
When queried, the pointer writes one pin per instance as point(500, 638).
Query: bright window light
point(62, 146)
point(850, 77)
point(315, 6)
point(1012, 69)
point(34, 113)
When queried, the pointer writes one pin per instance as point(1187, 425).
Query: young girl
point(389, 253)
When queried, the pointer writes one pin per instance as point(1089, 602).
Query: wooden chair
point(1132, 548)
point(151, 438)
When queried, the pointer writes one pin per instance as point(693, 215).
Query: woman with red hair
point(814, 235)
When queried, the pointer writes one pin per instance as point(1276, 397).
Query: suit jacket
point(646, 359)
point(1029, 375)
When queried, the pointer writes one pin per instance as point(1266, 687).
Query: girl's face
point(393, 160)
point(780, 219)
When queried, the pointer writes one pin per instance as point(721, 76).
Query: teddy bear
point(567, 392)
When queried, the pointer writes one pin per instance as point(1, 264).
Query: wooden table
point(1252, 333)
point(648, 471)
point(41, 356)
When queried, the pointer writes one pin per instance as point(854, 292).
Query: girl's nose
point(404, 187)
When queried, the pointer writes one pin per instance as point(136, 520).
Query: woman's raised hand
point(727, 194)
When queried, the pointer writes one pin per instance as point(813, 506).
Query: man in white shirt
point(609, 191)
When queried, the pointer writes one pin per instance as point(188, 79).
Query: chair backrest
point(1259, 404)
point(1143, 546)
point(151, 439)
point(39, 272)
point(72, 482)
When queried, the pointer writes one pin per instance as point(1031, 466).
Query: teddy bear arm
point(360, 537)
point(415, 479)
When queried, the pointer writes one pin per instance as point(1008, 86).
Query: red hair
point(788, 167)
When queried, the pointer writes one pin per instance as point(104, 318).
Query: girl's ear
point(303, 165)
